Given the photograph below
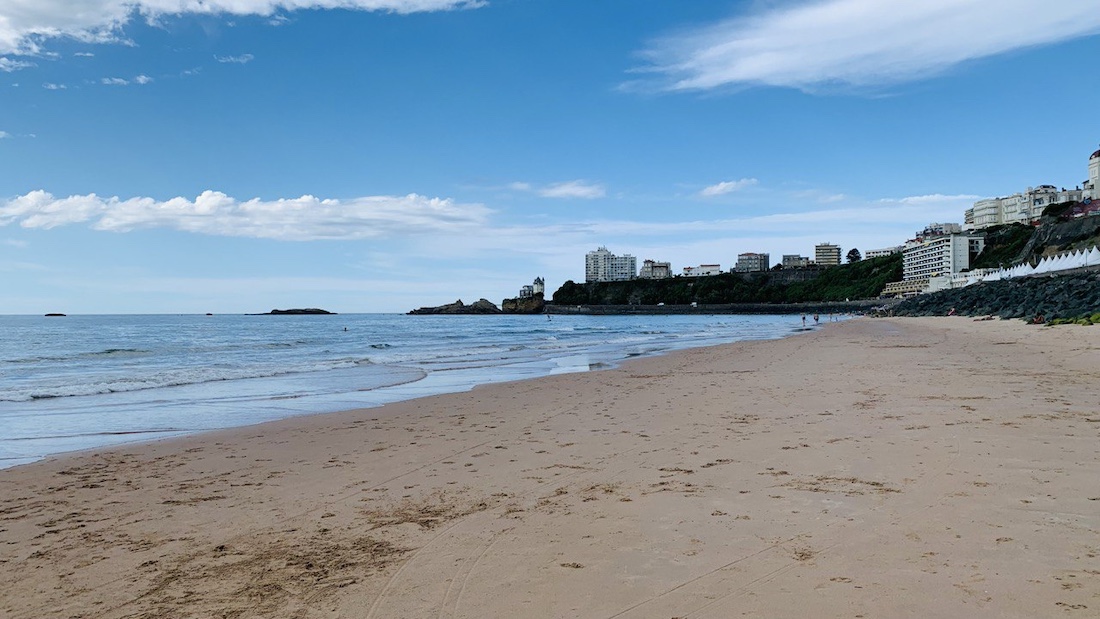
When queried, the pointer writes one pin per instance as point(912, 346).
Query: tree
point(854, 255)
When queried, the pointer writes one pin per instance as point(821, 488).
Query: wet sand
point(873, 468)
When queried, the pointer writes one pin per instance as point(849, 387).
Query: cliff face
point(482, 306)
point(1051, 238)
point(533, 305)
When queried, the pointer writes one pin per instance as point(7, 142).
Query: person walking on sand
point(803, 320)
point(815, 319)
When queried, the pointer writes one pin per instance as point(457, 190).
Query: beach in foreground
point(874, 468)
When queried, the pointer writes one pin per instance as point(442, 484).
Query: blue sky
point(182, 156)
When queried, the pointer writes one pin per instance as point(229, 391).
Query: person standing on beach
point(803, 320)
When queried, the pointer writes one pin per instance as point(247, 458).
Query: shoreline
point(57, 424)
point(735, 309)
point(749, 477)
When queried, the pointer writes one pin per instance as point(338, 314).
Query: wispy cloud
point(727, 187)
point(7, 65)
point(934, 199)
point(118, 81)
point(242, 59)
point(4, 135)
point(27, 27)
point(84, 55)
point(215, 213)
point(15, 243)
point(52, 86)
point(860, 43)
point(573, 189)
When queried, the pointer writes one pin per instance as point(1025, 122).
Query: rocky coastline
point(1035, 299)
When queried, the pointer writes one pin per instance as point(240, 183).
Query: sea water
point(79, 382)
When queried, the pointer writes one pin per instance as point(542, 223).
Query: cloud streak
point(25, 26)
point(214, 213)
point(859, 43)
point(242, 59)
point(573, 189)
point(118, 81)
point(727, 187)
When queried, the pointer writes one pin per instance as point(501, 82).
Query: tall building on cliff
point(603, 266)
point(827, 255)
point(751, 261)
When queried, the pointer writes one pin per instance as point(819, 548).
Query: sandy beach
point(936, 467)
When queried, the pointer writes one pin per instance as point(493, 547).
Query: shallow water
point(78, 382)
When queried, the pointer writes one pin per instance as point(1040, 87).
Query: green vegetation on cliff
point(1004, 246)
point(858, 280)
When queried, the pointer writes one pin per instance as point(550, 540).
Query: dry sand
point(874, 468)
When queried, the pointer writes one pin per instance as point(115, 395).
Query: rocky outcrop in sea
point(1049, 298)
point(483, 306)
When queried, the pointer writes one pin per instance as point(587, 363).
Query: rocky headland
point(529, 305)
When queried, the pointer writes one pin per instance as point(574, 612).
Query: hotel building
point(603, 266)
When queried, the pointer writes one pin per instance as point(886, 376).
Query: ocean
point(80, 382)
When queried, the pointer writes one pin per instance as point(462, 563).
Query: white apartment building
point(878, 253)
point(927, 257)
point(603, 266)
point(795, 261)
point(651, 269)
point(827, 255)
point(1024, 207)
point(750, 262)
point(702, 270)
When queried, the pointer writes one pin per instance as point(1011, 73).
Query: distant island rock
point(483, 306)
point(308, 310)
point(53, 315)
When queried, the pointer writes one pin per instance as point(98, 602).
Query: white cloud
point(4, 135)
point(573, 189)
point(118, 81)
point(51, 86)
point(26, 25)
point(7, 65)
point(214, 213)
point(727, 187)
point(936, 199)
point(15, 243)
point(84, 54)
point(861, 42)
point(242, 59)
